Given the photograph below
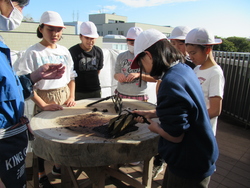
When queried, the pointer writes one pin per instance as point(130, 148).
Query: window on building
point(119, 21)
point(110, 32)
point(111, 21)
point(120, 32)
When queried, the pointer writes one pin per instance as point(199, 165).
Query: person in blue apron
point(13, 90)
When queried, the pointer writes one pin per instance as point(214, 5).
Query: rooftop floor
point(233, 165)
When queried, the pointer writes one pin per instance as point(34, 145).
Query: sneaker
point(135, 163)
point(55, 171)
point(44, 182)
point(157, 170)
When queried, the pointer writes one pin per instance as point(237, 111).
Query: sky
point(224, 18)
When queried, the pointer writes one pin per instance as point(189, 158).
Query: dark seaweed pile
point(104, 130)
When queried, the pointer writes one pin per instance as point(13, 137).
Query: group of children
point(187, 141)
point(196, 49)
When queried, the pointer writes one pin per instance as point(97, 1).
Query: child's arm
point(155, 127)
point(71, 100)
point(148, 78)
point(149, 114)
point(119, 72)
point(120, 77)
point(215, 106)
point(145, 77)
point(43, 105)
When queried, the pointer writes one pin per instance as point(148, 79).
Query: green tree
point(241, 44)
point(28, 18)
point(233, 44)
point(226, 45)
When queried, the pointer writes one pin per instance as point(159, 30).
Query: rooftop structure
point(112, 24)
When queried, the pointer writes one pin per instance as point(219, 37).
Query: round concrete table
point(88, 152)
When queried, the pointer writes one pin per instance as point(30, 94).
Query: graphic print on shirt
point(202, 80)
point(52, 59)
point(87, 64)
point(126, 70)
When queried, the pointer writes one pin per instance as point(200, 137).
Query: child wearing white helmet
point(50, 95)
point(177, 39)
point(199, 44)
point(88, 62)
point(187, 143)
point(129, 84)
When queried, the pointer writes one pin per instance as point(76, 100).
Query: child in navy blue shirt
point(187, 143)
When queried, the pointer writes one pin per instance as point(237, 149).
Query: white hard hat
point(51, 18)
point(201, 36)
point(179, 33)
point(88, 29)
point(146, 39)
point(133, 32)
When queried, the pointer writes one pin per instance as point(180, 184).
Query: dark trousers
point(12, 160)
point(86, 95)
point(172, 181)
point(40, 164)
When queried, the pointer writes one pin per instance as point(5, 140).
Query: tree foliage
point(233, 44)
point(28, 18)
point(241, 44)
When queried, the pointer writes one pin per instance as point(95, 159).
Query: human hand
point(1, 184)
point(120, 77)
point(139, 117)
point(148, 114)
point(48, 71)
point(154, 126)
point(52, 107)
point(70, 102)
point(132, 76)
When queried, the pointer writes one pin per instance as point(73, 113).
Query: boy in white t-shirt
point(199, 44)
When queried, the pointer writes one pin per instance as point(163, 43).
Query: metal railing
point(236, 100)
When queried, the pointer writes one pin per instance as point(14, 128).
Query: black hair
point(38, 33)
point(21, 3)
point(202, 47)
point(183, 41)
point(163, 54)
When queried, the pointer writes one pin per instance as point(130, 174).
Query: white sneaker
point(135, 163)
point(157, 170)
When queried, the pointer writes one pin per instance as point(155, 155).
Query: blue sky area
point(224, 18)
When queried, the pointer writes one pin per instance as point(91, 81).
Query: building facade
point(112, 24)
point(112, 29)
